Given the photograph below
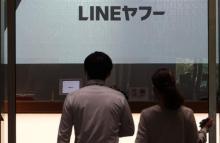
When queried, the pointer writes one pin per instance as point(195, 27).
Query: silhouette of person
point(98, 113)
point(169, 121)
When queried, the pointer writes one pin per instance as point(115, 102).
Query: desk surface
point(56, 106)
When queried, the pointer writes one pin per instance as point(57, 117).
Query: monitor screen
point(68, 85)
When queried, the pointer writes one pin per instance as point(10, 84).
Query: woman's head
point(165, 85)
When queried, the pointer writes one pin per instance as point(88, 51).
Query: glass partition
point(218, 51)
point(3, 73)
point(218, 66)
point(53, 37)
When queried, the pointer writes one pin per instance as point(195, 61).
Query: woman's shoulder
point(156, 109)
point(151, 110)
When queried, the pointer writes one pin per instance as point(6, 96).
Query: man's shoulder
point(113, 93)
point(187, 111)
point(105, 90)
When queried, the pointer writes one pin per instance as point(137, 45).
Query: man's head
point(98, 65)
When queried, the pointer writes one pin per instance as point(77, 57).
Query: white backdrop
point(49, 31)
point(43, 128)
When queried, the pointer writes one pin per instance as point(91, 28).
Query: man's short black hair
point(98, 65)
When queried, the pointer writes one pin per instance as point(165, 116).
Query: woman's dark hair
point(98, 65)
point(164, 81)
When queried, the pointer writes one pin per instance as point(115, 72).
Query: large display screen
point(130, 31)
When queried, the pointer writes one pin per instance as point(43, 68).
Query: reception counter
point(38, 121)
point(23, 106)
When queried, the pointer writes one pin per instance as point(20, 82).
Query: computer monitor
point(67, 86)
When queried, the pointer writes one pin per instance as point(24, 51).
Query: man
point(98, 113)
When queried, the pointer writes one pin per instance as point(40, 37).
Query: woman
point(168, 121)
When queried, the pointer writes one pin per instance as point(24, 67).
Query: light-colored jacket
point(159, 125)
point(98, 113)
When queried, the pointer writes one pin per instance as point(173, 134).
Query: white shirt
point(159, 125)
point(98, 113)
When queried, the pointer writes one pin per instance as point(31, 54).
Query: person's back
point(159, 125)
point(98, 113)
point(169, 121)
